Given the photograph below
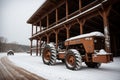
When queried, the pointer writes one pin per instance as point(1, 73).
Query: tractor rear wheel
point(49, 54)
point(73, 60)
point(93, 64)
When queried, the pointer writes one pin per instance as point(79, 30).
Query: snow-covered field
point(110, 71)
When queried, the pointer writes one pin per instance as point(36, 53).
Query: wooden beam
point(81, 23)
point(40, 26)
point(105, 9)
point(56, 36)
point(69, 20)
point(67, 31)
point(37, 47)
point(40, 38)
point(106, 32)
point(66, 9)
point(32, 30)
point(36, 29)
point(47, 21)
point(104, 13)
point(56, 15)
point(57, 6)
point(80, 5)
point(31, 47)
point(47, 38)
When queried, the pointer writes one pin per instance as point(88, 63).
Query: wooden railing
point(73, 14)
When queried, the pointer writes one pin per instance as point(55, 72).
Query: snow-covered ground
point(110, 71)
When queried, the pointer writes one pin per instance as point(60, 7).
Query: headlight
point(95, 41)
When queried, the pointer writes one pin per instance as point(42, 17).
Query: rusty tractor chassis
point(88, 48)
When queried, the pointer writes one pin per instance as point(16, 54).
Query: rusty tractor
point(88, 48)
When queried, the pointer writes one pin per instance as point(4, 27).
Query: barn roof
point(45, 7)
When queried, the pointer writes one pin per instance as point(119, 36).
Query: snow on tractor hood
point(96, 33)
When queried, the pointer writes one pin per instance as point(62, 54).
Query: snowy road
point(34, 64)
point(9, 71)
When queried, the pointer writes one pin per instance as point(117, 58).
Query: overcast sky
point(13, 17)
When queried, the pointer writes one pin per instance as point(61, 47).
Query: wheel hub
point(47, 55)
point(71, 60)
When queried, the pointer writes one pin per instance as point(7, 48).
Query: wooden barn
point(57, 20)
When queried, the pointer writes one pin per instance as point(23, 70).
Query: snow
point(102, 52)
point(96, 33)
point(10, 51)
point(35, 65)
point(51, 44)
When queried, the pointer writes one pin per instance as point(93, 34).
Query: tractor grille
point(99, 43)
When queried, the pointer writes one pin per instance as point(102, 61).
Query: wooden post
point(47, 38)
point(40, 47)
point(40, 26)
point(81, 28)
point(56, 15)
point(47, 21)
point(106, 33)
point(56, 34)
point(37, 47)
point(68, 34)
point(67, 31)
point(31, 47)
point(80, 5)
point(32, 30)
point(66, 9)
point(81, 23)
point(36, 29)
point(104, 13)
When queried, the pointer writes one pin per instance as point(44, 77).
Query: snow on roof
point(96, 33)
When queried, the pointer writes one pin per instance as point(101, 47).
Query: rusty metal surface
point(102, 58)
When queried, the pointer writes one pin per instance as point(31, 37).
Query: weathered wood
point(66, 9)
point(104, 14)
point(40, 46)
point(37, 47)
point(32, 30)
point(40, 26)
point(67, 31)
point(89, 11)
point(56, 15)
point(56, 36)
point(47, 38)
point(106, 32)
point(36, 29)
point(80, 5)
point(57, 6)
point(47, 21)
point(81, 23)
point(31, 47)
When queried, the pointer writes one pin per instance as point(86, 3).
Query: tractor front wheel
point(49, 54)
point(73, 60)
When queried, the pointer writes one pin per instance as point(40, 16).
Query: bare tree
point(4, 46)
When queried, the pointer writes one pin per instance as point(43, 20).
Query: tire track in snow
point(9, 71)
